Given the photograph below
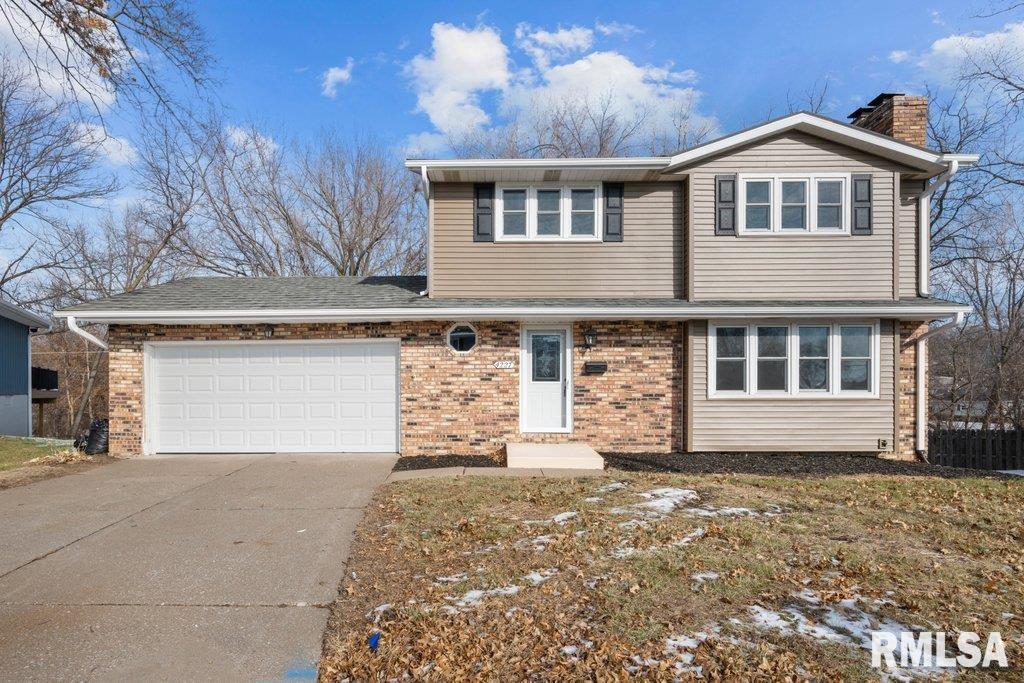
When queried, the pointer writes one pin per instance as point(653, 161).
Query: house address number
point(504, 364)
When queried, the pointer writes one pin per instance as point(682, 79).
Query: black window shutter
point(483, 212)
point(725, 204)
point(614, 194)
point(861, 204)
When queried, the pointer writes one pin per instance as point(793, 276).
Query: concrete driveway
point(184, 568)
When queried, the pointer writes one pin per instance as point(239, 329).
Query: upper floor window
point(547, 212)
point(794, 359)
point(793, 203)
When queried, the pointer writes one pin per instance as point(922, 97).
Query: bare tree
point(360, 208)
point(582, 125)
point(813, 99)
point(248, 199)
point(125, 46)
point(48, 162)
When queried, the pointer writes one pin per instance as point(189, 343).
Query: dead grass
point(616, 590)
point(25, 460)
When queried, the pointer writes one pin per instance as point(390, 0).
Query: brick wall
point(904, 117)
point(906, 398)
point(461, 403)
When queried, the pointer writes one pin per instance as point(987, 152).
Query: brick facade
point(461, 403)
point(904, 117)
point(906, 396)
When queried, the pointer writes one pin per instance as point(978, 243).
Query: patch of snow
point(613, 486)
point(710, 511)
point(593, 499)
point(570, 650)
point(846, 625)
point(699, 578)
point(454, 578)
point(592, 582)
point(377, 612)
point(623, 551)
point(476, 596)
point(560, 518)
point(536, 578)
point(665, 500)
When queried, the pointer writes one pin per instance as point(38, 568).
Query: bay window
point(793, 203)
point(547, 212)
point(794, 360)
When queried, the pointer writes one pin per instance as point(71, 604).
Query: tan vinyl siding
point(788, 424)
point(907, 237)
point(794, 266)
point(648, 263)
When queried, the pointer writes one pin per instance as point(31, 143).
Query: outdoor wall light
point(589, 338)
point(268, 331)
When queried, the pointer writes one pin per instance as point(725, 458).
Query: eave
point(682, 311)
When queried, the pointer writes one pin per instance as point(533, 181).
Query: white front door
point(545, 379)
point(251, 397)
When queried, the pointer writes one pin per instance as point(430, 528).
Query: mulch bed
point(779, 464)
point(429, 462)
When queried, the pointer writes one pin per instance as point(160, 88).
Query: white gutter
point(924, 227)
point(73, 326)
point(652, 163)
point(921, 354)
point(198, 317)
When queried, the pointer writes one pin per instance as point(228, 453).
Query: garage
point(272, 397)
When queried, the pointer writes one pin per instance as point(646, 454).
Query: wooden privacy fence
point(981, 449)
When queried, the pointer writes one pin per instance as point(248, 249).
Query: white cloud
point(943, 60)
point(250, 138)
point(658, 93)
point(463, 64)
point(898, 56)
point(615, 28)
point(423, 145)
point(468, 78)
point(335, 76)
point(117, 151)
point(546, 46)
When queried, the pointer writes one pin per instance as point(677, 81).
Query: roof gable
point(924, 160)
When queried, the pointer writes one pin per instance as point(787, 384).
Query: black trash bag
point(99, 434)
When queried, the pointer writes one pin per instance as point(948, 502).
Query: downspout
point(924, 228)
point(921, 431)
point(430, 228)
point(93, 339)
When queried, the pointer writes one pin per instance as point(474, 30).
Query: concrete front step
point(577, 456)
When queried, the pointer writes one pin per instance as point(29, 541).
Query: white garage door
point(273, 397)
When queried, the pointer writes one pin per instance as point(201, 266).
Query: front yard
point(24, 460)
point(666, 576)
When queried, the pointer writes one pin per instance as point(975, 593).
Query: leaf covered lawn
point(670, 577)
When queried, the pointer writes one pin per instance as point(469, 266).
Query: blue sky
point(736, 60)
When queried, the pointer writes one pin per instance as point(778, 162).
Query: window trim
point(565, 212)
point(793, 391)
point(811, 208)
point(448, 337)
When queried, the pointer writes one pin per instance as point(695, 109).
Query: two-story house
point(766, 291)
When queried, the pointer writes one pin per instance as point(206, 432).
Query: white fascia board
point(641, 163)
point(24, 317)
point(183, 317)
point(860, 138)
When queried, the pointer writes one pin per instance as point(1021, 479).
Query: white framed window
point(794, 359)
point(794, 204)
point(547, 212)
point(813, 369)
point(772, 371)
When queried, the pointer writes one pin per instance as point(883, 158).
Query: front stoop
point(577, 456)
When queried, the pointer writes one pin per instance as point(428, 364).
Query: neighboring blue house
point(16, 329)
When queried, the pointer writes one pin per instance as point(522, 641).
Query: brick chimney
point(904, 117)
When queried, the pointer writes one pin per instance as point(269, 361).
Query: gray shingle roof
point(312, 293)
